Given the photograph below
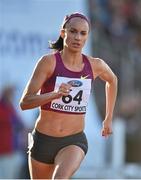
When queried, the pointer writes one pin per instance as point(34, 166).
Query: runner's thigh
point(67, 161)
point(39, 170)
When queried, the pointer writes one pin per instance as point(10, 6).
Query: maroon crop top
point(76, 78)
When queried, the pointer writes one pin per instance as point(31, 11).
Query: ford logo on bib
point(75, 83)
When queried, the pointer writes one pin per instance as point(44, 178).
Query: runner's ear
point(62, 33)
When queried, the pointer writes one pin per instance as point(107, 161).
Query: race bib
point(77, 99)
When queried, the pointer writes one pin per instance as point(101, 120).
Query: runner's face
point(75, 34)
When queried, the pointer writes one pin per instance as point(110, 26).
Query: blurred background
point(26, 26)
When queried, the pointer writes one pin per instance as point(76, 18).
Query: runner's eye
point(83, 33)
point(73, 31)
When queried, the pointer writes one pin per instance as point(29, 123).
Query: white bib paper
point(77, 99)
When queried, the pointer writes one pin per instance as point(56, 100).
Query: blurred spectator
point(117, 40)
point(11, 129)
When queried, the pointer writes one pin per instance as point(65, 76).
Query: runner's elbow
point(24, 104)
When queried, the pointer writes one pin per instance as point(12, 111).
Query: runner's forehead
point(74, 15)
point(78, 23)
